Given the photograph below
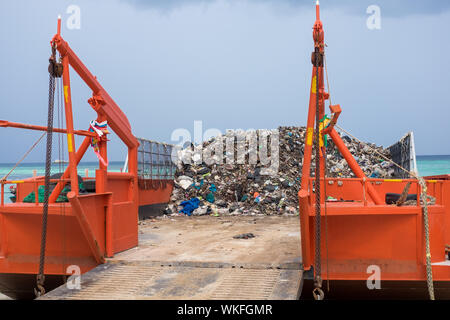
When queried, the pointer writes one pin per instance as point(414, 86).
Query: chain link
point(40, 279)
point(317, 293)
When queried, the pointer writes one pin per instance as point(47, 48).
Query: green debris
point(210, 197)
point(31, 198)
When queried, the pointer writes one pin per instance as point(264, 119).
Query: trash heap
point(256, 189)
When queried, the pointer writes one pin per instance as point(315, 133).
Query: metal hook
point(318, 294)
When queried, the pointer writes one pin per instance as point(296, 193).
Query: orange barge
point(359, 240)
point(90, 226)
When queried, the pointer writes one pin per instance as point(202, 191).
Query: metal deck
point(198, 258)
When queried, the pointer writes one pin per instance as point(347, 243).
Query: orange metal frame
point(362, 230)
point(90, 227)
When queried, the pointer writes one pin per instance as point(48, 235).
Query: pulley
point(55, 68)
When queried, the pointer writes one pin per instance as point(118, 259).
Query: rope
point(61, 156)
point(326, 74)
point(427, 239)
point(326, 216)
point(424, 200)
point(324, 178)
point(424, 197)
point(404, 195)
point(413, 174)
point(24, 156)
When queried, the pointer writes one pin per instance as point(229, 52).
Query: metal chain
point(317, 292)
point(40, 279)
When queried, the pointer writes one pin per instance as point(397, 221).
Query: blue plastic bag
point(189, 206)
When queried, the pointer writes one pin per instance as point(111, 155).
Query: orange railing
point(35, 182)
point(358, 188)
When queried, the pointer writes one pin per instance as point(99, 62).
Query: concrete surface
point(210, 239)
point(198, 258)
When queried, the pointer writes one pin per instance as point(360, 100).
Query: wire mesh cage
point(155, 164)
point(403, 153)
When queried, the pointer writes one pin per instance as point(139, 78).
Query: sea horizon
point(427, 165)
point(122, 161)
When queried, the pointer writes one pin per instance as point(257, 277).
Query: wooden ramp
point(200, 258)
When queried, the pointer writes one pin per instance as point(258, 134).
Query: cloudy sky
point(232, 64)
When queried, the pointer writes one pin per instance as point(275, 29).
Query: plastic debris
point(244, 236)
point(184, 181)
point(210, 197)
point(189, 206)
point(232, 188)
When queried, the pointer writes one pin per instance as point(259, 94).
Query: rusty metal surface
point(141, 281)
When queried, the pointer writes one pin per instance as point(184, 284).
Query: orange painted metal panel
point(91, 226)
point(21, 231)
point(160, 194)
point(361, 230)
point(388, 236)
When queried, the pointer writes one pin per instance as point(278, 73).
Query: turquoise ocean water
point(25, 170)
point(433, 165)
point(427, 165)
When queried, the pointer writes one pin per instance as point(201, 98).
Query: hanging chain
point(54, 70)
point(317, 292)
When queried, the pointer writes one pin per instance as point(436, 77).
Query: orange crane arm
point(9, 124)
point(106, 109)
point(101, 101)
point(318, 69)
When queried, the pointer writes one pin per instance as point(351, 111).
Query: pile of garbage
point(248, 185)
